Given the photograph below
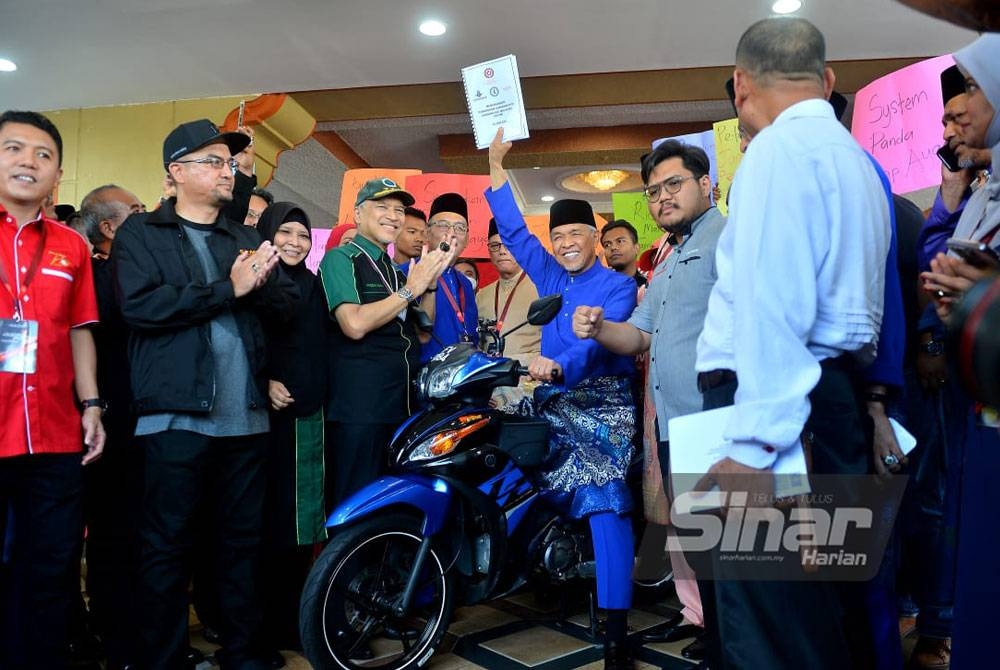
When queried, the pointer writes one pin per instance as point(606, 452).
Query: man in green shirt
point(374, 354)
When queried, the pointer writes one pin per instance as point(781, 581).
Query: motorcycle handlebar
point(522, 371)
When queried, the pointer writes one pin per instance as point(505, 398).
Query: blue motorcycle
point(458, 519)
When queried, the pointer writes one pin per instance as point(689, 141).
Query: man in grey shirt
point(670, 317)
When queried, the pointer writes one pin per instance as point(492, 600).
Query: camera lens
point(975, 341)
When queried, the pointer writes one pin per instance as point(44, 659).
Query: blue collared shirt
point(596, 286)
point(448, 329)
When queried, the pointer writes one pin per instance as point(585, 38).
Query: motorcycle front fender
point(428, 495)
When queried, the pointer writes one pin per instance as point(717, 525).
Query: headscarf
point(278, 213)
point(270, 220)
point(333, 241)
point(981, 60)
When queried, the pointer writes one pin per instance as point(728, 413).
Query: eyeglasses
point(457, 226)
point(494, 246)
point(215, 162)
point(654, 192)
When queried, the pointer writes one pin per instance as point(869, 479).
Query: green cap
point(383, 187)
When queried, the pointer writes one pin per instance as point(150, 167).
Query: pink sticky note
point(897, 119)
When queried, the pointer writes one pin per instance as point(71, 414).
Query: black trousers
point(112, 509)
point(358, 454)
point(789, 625)
point(44, 530)
point(191, 478)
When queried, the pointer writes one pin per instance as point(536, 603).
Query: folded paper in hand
point(696, 444)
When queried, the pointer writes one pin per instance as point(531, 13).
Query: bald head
point(782, 48)
point(105, 209)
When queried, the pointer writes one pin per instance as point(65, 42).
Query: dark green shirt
point(370, 378)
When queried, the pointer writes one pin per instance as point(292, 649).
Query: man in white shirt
point(796, 308)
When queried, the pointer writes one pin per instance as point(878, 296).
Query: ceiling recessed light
point(536, 167)
point(433, 28)
point(547, 198)
point(7, 65)
point(786, 6)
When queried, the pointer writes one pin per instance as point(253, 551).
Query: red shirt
point(38, 412)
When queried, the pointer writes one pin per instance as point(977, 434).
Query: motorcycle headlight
point(436, 383)
point(442, 444)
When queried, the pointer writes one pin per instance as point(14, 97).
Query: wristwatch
point(933, 347)
point(406, 294)
point(94, 402)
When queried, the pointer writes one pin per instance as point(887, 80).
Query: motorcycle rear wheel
point(346, 616)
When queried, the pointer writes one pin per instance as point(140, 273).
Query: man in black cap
point(453, 309)
point(194, 288)
point(586, 393)
point(374, 355)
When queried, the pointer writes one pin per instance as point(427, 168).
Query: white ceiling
point(86, 53)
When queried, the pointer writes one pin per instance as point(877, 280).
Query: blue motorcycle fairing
point(478, 361)
point(429, 495)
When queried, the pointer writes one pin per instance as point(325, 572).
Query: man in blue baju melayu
point(588, 395)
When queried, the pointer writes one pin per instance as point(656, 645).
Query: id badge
point(18, 345)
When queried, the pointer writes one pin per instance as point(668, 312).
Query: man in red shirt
point(46, 354)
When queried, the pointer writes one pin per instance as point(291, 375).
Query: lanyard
point(378, 270)
point(458, 307)
point(501, 317)
point(32, 269)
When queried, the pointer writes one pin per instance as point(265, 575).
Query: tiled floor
point(518, 633)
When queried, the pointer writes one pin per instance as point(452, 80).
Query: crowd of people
point(225, 398)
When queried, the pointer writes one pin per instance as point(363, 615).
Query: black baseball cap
point(194, 135)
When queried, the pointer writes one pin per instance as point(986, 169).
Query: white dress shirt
point(801, 274)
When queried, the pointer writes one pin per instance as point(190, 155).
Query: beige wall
point(124, 145)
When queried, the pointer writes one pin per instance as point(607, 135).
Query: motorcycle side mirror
point(543, 310)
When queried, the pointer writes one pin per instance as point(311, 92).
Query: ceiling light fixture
point(7, 65)
point(604, 180)
point(433, 28)
point(786, 6)
point(547, 198)
point(537, 167)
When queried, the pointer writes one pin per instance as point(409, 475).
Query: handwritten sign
point(897, 119)
point(727, 157)
point(319, 238)
point(633, 208)
point(355, 179)
point(703, 140)
point(426, 187)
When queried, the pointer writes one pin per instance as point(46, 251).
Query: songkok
point(449, 202)
point(568, 211)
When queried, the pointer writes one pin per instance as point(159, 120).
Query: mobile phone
point(976, 254)
point(949, 158)
point(243, 111)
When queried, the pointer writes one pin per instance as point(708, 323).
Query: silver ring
point(941, 293)
point(254, 267)
point(890, 460)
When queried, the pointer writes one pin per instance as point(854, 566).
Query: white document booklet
point(696, 444)
point(493, 93)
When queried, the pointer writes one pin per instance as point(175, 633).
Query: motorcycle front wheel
point(346, 614)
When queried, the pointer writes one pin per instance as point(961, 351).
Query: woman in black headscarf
point(294, 509)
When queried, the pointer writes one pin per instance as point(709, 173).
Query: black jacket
point(168, 304)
